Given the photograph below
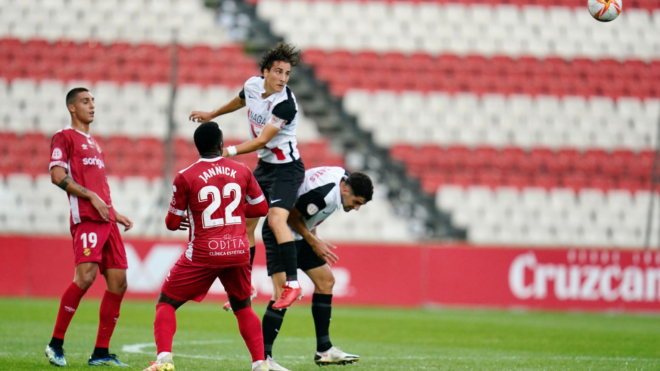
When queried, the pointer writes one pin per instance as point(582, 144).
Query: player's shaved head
point(361, 185)
point(282, 52)
point(72, 95)
point(208, 138)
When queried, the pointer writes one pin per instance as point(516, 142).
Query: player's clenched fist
point(200, 116)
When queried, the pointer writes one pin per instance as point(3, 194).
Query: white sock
point(164, 356)
point(293, 284)
point(256, 363)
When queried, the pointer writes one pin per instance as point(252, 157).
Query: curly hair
point(282, 52)
point(361, 185)
point(208, 137)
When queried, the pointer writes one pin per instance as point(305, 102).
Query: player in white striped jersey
point(272, 115)
point(324, 190)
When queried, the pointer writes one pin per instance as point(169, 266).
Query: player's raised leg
point(85, 274)
point(277, 218)
point(326, 353)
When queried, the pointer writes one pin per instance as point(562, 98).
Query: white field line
point(140, 348)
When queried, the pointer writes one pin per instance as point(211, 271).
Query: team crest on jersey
point(93, 143)
point(312, 209)
point(84, 146)
point(270, 104)
point(87, 252)
point(57, 154)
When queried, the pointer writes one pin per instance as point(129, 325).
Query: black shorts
point(280, 182)
point(307, 259)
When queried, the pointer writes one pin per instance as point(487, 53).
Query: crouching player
point(213, 191)
point(324, 190)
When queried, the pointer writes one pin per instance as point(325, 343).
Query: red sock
point(68, 305)
point(250, 328)
point(164, 327)
point(108, 316)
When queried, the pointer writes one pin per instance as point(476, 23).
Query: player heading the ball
point(272, 117)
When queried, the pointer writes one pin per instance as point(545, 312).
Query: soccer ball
point(605, 10)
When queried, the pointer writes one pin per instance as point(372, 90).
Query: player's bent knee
point(325, 286)
point(276, 222)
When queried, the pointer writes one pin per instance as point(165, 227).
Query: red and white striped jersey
point(278, 109)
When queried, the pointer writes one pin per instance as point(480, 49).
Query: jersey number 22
point(227, 191)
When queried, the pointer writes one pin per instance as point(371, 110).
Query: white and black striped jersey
point(279, 109)
point(319, 195)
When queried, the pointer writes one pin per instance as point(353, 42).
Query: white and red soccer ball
point(605, 10)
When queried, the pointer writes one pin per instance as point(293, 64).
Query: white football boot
point(334, 356)
point(260, 366)
point(273, 366)
point(163, 363)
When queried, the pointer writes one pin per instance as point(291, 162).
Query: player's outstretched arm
point(202, 116)
point(320, 247)
point(123, 220)
point(267, 133)
point(60, 177)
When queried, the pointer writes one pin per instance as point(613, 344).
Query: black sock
point(289, 256)
point(321, 311)
point(101, 352)
point(56, 343)
point(252, 252)
point(270, 326)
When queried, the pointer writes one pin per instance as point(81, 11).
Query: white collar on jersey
point(71, 127)
point(211, 159)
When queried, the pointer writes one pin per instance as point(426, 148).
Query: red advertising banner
point(413, 275)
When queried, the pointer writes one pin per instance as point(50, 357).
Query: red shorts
point(190, 282)
point(98, 242)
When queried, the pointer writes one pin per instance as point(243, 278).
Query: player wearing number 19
point(77, 165)
point(218, 194)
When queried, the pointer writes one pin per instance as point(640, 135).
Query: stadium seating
point(48, 47)
point(501, 98)
point(462, 29)
point(556, 217)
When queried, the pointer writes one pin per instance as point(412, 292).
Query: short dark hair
point(282, 52)
point(73, 94)
point(361, 185)
point(208, 137)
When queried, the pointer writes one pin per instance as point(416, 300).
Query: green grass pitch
point(387, 339)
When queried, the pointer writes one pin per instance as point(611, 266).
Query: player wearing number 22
point(218, 194)
point(77, 165)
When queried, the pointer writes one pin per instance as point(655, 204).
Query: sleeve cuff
point(176, 212)
point(277, 122)
point(256, 200)
point(58, 163)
